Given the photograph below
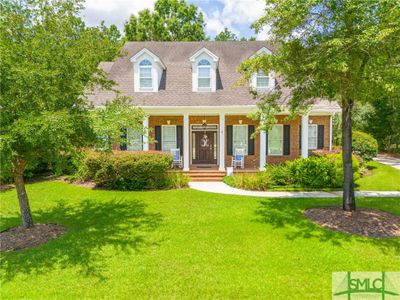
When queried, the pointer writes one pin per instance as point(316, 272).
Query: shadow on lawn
point(288, 213)
point(93, 227)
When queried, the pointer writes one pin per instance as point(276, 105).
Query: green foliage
point(325, 171)
point(383, 122)
point(256, 182)
point(49, 59)
point(337, 177)
point(226, 35)
point(125, 170)
point(280, 174)
point(177, 180)
point(171, 20)
point(364, 145)
point(117, 115)
point(312, 172)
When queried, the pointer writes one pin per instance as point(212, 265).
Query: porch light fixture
point(204, 125)
point(168, 122)
point(310, 121)
point(240, 122)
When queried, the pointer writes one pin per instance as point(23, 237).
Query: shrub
point(128, 170)
point(256, 182)
point(280, 174)
point(312, 172)
point(177, 180)
point(337, 161)
point(364, 145)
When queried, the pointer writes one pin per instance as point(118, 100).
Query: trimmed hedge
point(123, 170)
point(364, 145)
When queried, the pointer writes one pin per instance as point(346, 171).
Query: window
point(168, 138)
point(312, 136)
point(204, 75)
point(262, 80)
point(134, 140)
point(275, 140)
point(240, 138)
point(146, 80)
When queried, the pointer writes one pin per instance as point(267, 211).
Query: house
point(189, 91)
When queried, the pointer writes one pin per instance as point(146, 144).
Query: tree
point(226, 35)
point(110, 123)
point(171, 20)
point(49, 59)
point(343, 50)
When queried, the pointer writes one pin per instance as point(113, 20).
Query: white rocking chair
point(177, 158)
point(238, 158)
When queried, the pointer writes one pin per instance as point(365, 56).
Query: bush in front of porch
point(123, 170)
point(316, 172)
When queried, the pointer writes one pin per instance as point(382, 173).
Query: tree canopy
point(171, 20)
point(226, 35)
point(346, 50)
point(49, 59)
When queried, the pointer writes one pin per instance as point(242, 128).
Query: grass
point(380, 178)
point(383, 178)
point(183, 244)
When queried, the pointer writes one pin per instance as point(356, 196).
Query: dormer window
point(204, 71)
point(146, 80)
point(204, 75)
point(262, 80)
point(148, 70)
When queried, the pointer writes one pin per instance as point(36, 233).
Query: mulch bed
point(364, 221)
point(18, 238)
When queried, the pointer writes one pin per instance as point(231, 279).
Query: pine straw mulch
point(364, 221)
point(18, 238)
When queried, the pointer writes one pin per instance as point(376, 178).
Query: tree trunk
point(19, 168)
point(349, 201)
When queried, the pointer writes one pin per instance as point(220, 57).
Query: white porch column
point(304, 136)
point(186, 142)
point(263, 149)
point(222, 141)
point(330, 132)
point(146, 136)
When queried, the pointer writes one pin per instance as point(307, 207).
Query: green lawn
point(383, 178)
point(183, 244)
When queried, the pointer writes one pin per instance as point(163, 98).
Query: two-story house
point(189, 91)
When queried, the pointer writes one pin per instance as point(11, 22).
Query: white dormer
point(204, 71)
point(259, 80)
point(147, 71)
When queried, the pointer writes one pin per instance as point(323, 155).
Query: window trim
point(147, 88)
point(162, 136)
point(262, 76)
point(316, 136)
point(246, 149)
point(281, 154)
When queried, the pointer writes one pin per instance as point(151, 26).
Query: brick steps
point(205, 175)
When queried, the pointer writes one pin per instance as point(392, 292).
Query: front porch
point(208, 138)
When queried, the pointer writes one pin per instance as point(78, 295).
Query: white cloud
point(235, 14)
point(242, 11)
point(113, 12)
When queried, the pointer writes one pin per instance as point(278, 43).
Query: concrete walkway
point(390, 161)
point(222, 188)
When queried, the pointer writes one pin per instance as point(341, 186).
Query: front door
point(204, 146)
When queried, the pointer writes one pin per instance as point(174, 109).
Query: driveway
point(388, 160)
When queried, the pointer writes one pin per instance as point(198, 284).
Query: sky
point(237, 15)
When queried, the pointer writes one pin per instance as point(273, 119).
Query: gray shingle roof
point(176, 85)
